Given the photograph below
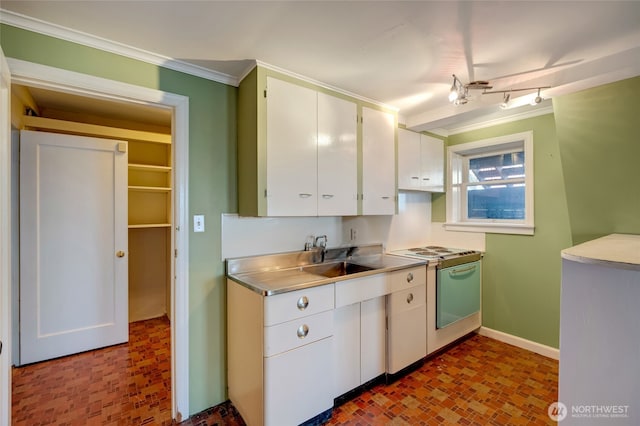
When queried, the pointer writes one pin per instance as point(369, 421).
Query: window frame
point(458, 157)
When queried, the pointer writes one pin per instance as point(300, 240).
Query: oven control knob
point(409, 277)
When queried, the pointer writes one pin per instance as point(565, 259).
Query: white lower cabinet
point(280, 354)
point(372, 339)
point(297, 385)
point(359, 344)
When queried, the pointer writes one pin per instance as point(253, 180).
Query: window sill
point(491, 228)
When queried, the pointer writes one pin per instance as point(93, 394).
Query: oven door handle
point(462, 271)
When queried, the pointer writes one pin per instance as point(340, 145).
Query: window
point(490, 185)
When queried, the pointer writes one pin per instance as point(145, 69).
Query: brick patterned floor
point(479, 382)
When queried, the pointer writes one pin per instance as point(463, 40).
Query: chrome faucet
point(321, 243)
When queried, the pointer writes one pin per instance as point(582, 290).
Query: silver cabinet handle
point(327, 196)
point(409, 277)
point(302, 332)
point(304, 195)
point(303, 302)
point(385, 198)
point(410, 298)
point(426, 178)
point(415, 177)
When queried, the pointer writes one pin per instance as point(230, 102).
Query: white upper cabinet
point(378, 162)
point(432, 154)
point(337, 157)
point(420, 162)
point(303, 152)
point(291, 150)
point(409, 160)
point(312, 163)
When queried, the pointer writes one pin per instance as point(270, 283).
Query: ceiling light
point(505, 101)
point(459, 93)
point(537, 99)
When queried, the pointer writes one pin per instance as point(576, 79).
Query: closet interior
point(147, 131)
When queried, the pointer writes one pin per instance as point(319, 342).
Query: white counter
point(616, 250)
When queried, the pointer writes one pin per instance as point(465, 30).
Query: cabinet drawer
point(406, 278)
point(359, 289)
point(406, 299)
point(297, 304)
point(292, 334)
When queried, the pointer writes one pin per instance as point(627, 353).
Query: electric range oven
point(454, 278)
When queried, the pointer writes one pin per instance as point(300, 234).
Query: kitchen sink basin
point(335, 269)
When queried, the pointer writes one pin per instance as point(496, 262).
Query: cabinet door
point(409, 160)
point(291, 149)
point(346, 349)
point(372, 339)
point(298, 385)
point(378, 162)
point(432, 153)
point(337, 157)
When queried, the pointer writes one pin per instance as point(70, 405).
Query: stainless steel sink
point(335, 269)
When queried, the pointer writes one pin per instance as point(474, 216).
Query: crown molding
point(319, 84)
point(36, 25)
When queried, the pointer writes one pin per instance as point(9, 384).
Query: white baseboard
point(538, 348)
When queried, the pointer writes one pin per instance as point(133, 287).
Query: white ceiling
point(401, 53)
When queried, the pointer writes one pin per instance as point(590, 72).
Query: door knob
point(120, 253)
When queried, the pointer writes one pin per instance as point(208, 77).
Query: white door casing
point(73, 244)
point(42, 76)
point(5, 241)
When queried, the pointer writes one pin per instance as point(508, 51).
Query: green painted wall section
point(212, 185)
point(600, 148)
point(521, 274)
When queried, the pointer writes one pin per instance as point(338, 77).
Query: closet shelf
point(150, 225)
point(94, 130)
point(149, 188)
point(149, 168)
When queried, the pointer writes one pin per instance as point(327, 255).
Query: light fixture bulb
point(537, 99)
point(505, 102)
point(453, 95)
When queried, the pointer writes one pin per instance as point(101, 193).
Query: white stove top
point(432, 252)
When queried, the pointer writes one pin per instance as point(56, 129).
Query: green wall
point(600, 147)
point(212, 185)
point(521, 274)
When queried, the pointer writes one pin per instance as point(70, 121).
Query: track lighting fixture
point(459, 93)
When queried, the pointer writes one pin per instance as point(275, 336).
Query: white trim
point(36, 75)
point(319, 84)
point(5, 242)
point(490, 228)
point(529, 345)
point(456, 208)
point(502, 120)
point(85, 39)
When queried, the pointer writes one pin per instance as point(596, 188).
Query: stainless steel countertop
point(283, 272)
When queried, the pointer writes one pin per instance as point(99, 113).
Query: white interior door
point(5, 242)
point(73, 244)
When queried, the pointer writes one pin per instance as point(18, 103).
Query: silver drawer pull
point(327, 196)
point(410, 298)
point(409, 277)
point(415, 177)
point(304, 195)
point(303, 302)
point(385, 197)
point(303, 330)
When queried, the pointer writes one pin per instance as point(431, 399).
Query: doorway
point(98, 96)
